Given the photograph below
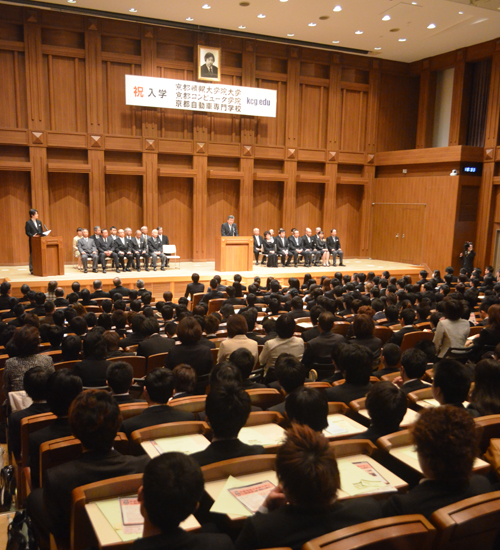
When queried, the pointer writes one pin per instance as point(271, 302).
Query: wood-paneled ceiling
point(458, 23)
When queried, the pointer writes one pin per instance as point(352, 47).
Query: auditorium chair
point(461, 354)
point(238, 467)
point(215, 354)
point(196, 299)
point(411, 338)
point(172, 429)
point(337, 407)
point(351, 447)
point(170, 251)
point(411, 532)
point(488, 428)
point(341, 327)
point(475, 330)
point(384, 333)
point(66, 364)
point(194, 404)
point(3, 360)
point(265, 397)
point(156, 361)
point(321, 386)
point(390, 377)
point(215, 304)
point(419, 395)
point(137, 362)
point(468, 524)
point(128, 410)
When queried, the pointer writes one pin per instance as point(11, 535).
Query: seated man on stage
point(229, 229)
point(155, 250)
point(139, 249)
point(297, 249)
point(334, 248)
point(87, 248)
point(308, 245)
point(283, 248)
point(106, 249)
point(258, 241)
point(122, 250)
point(164, 240)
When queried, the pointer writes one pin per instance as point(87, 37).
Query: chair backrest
point(358, 404)
point(412, 532)
point(337, 407)
point(196, 298)
point(82, 532)
point(238, 467)
point(193, 404)
point(321, 386)
point(215, 304)
point(137, 362)
point(129, 410)
point(215, 354)
point(489, 427)
point(418, 395)
point(169, 249)
point(475, 330)
point(469, 523)
point(341, 327)
point(29, 425)
point(384, 333)
point(156, 361)
point(171, 429)
point(390, 377)
point(3, 360)
point(411, 338)
point(66, 364)
point(392, 441)
point(349, 447)
point(257, 418)
point(265, 397)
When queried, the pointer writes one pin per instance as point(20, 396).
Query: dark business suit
point(178, 539)
point(99, 293)
point(308, 246)
point(347, 392)
point(120, 290)
point(121, 247)
point(155, 344)
point(294, 245)
point(258, 241)
point(88, 249)
point(319, 350)
point(414, 385)
point(153, 416)
point(282, 249)
point(155, 249)
point(139, 249)
point(270, 252)
point(92, 372)
point(106, 245)
point(397, 337)
point(229, 230)
point(206, 73)
point(196, 355)
point(226, 449)
point(194, 288)
point(211, 295)
point(32, 229)
point(334, 248)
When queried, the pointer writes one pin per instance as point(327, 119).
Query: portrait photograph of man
point(208, 63)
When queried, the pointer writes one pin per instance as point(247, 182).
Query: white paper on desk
point(46, 233)
point(187, 444)
point(338, 427)
point(361, 477)
point(227, 504)
point(131, 511)
point(254, 437)
point(111, 511)
point(431, 402)
point(410, 452)
point(253, 496)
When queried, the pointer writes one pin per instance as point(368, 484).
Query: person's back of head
point(94, 346)
point(224, 372)
point(236, 326)
point(40, 298)
point(429, 348)
point(355, 362)
point(94, 417)
point(297, 303)
point(485, 396)
point(325, 321)
point(250, 316)
point(226, 311)
point(391, 313)
point(414, 363)
point(285, 326)
point(227, 409)
point(307, 469)
point(91, 319)
point(35, 383)
point(391, 354)
point(75, 287)
point(386, 405)
point(150, 326)
point(160, 385)
point(62, 388)
point(78, 325)
point(451, 383)
point(119, 376)
point(309, 407)
point(135, 306)
point(407, 316)
point(213, 284)
point(243, 359)
point(172, 487)
point(49, 308)
point(290, 372)
point(184, 378)
point(55, 336)
point(71, 347)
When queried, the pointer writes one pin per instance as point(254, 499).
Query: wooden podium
point(47, 256)
point(234, 254)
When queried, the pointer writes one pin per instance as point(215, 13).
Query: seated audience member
point(392, 316)
point(25, 342)
point(60, 300)
point(269, 326)
point(446, 443)
point(35, 385)
point(62, 388)
point(158, 390)
point(237, 329)
point(94, 418)
point(78, 326)
point(227, 409)
point(490, 335)
point(55, 337)
point(313, 332)
point(119, 377)
point(452, 331)
point(244, 360)
point(406, 318)
point(451, 384)
point(304, 505)
point(390, 358)
point(153, 343)
point(92, 369)
point(429, 349)
point(291, 374)
point(308, 407)
point(386, 405)
point(363, 327)
point(211, 326)
point(71, 348)
point(195, 287)
point(113, 344)
point(413, 366)
point(355, 363)
point(190, 350)
point(285, 342)
point(485, 396)
point(298, 308)
point(319, 350)
point(49, 312)
point(171, 491)
point(184, 381)
point(136, 336)
point(213, 291)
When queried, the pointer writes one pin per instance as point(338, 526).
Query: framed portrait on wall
point(209, 63)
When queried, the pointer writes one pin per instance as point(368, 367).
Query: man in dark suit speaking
point(33, 228)
point(208, 69)
point(229, 229)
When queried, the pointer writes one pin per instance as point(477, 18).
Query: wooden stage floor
point(175, 280)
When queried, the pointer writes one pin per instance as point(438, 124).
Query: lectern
point(47, 256)
point(234, 254)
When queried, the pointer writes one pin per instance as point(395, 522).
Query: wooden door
point(412, 233)
point(386, 232)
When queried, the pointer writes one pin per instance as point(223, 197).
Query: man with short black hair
point(451, 384)
point(153, 343)
point(119, 377)
point(291, 374)
point(195, 287)
point(213, 291)
point(413, 365)
point(406, 318)
point(319, 350)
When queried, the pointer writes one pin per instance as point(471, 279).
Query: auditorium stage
point(175, 280)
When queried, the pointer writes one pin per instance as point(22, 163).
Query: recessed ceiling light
point(358, 32)
point(206, 6)
point(337, 8)
point(261, 16)
point(413, 3)
point(431, 26)
point(402, 40)
point(189, 19)
point(283, 0)
point(290, 34)
point(312, 24)
point(71, 1)
point(132, 10)
point(461, 12)
point(479, 21)
point(386, 18)
point(377, 48)
point(242, 27)
point(335, 41)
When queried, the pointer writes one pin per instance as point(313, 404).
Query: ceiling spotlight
point(290, 34)
point(261, 16)
point(377, 49)
point(402, 40)
point(460, 13)
point(206, 6)
point(71, 1)
point(335, 41)
point(132, 10)
point(358, 32)
point(312, 24)
point(283, 0)
point(189, 19)
point(413, 3)
point(386, 18)
point(337, 8)
point(431, 26)
point(242, 27)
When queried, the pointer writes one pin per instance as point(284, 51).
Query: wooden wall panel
point(13, 111)
point(353, 124)
point(124, 201)
point(15, 198)
point(271, 131)
point(174, 124)
point(397, 116)
point(310, 199)
point(313, 124)
point(175, 204)
point(223, 200)
point(348, 218)
point(69, 207)
point(268, 206)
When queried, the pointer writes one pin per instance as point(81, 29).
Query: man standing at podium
point(229, 229)
point(33, 229)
